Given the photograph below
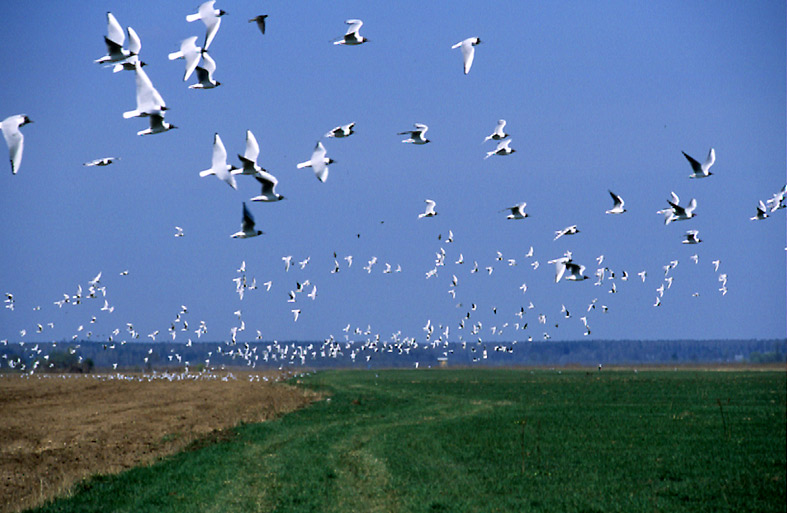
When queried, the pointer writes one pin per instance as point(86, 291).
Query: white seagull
point(210, 17)
point(342, 131)
point(14, 138)
point(417, 136)
point(101, 162)
point(352, 37)
point(468, 51)
point(761, 214)
point(617, 208)
point(246, 226)
point(205, 73)
point(319, 162)
point(149, 101)
point(676, 212)
point(517, 212)
point(268, 182)
point(219, 167)
point(569, 230)
point(565, 264)
point(701, 170)
point(114, 41)
point(249, 157)
point(190, 52)
point(499, 133)
point(502, 149)
point(692, 237)
point(430, 211)
point(157, 125)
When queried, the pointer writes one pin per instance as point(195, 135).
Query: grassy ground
point(486, 440)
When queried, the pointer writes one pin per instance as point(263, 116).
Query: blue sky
point(597, 95)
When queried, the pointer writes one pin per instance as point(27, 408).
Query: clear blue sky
point(597, 95)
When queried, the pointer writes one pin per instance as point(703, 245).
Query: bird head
point(222, 12)
point(25, 120)
point(331, 161)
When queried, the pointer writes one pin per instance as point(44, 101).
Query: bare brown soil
point(55, 431)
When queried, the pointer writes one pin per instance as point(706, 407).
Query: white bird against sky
point(417, 136)
point(247, 229)
point(352, 37)
point(617, 207)
point(568, 230)
point(115, 39)
point(692, 237)
point(676, 212)
point(762, 212)
point(468, 51)
point(701, 170)
point(149, 101)
point(503, 148)
point(319, 162)
point(342, 131)
point(219, 166)
point(189, 52)
point(205, 73)
point(14, 138)
point(268, 183)
point(249, 157)
point(499, 132)
point(105, 161)
point(430, 209)
point(211, 17)
point(517, 212)
point(157, 125)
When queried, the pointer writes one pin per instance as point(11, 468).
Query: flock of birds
point(358, 342)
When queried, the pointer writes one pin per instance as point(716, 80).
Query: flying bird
point(319, 162)
point(617, 208)
point(468, 51)
point(417, 136)
point(249, 157)
point(247, 229)
point(341, 131)
point(430, 211)
point(268, 182)
point(260, 20)
point(205, 73)
point(14, 138)
point(115, 39)
point(517, 212)
point(210, 17)
point(157, 125)
point(149, 101)
point(569, 230)
point(219, 166)
point(762, 212)
point(503, 148)
point(692, 237)
point(101, 162)
point(565, 265)
point(701, 170)
point(352, 37)
point(499, 133)
point(676, 212)
point(190, 52)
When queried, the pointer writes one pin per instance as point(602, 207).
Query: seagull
point(249, 158)
point(692, 237)
point(157, 125)
point(352, 37)
point(205, 73)
point(565, 264)
point(101, 162)
point(678, 213)
point(287, 262)
point(569, 230)
point(617, 208)
point(341, 131)
point(777, 201)
point(14, 138)
point(114, 41)
point(502, 149)
point(219, 167)
point(178, 231)
point(498, 134)
point(210, 17)
point(716, 265)
point(260, 20)
point(701, 170)
point(246, 226)
point(417, 136)
point(296, 313)
point(268, 182)
point(190, 52)
point(430, 211)
point(319, 162)
point(149, 101)
point(468, 51)
point(762, 212)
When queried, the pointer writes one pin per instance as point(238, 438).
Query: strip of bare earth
point(58, 429)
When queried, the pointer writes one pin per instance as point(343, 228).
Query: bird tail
point(207, 172)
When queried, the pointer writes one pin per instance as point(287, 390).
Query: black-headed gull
point(468, 51)
point(205, 73)
point(676, 212)
point(417, 136)
point(565, 265)
point(190, 52)
point(352, 37)
point(319, 162)
point(219, 166)
point(114, 41)
point(247, 229)
point(503, 148)
point(101, 162)
point(517, 212)
point(692, 237)
point(701, 170)
point(210, 17)
point(499, 132)
point(569, 230)
point(617, 208)
point(14, 138)
point(149, 101)
point(430, 209)
point(249, 158)
point(342, 131)
point(260, 21)
point(157, 125)
point(268, 182)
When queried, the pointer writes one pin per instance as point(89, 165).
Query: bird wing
point(15, 140)
point(134, 43)
point(114, 31)
point(617, 199)
point(148, 99)
point(354, 26)
point(191, 53)
point(247, 224)
point(696, 166)
point(709, 161)
point(219, 153)
point(252, 148)
point(468, 54)
point(212, 23)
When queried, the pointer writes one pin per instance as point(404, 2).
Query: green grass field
point(485, 440)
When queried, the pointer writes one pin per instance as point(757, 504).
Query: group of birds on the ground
point(150, 104)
